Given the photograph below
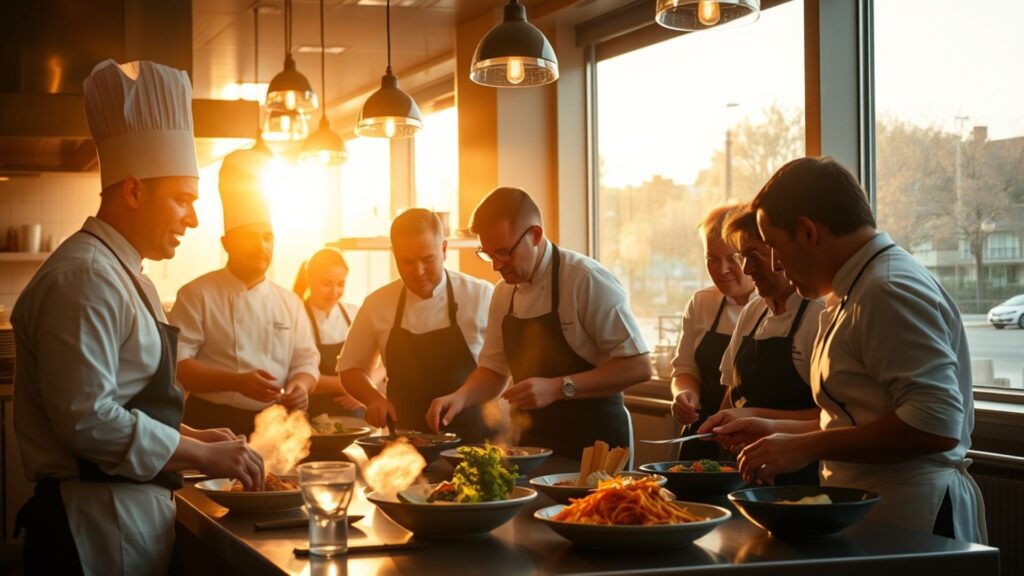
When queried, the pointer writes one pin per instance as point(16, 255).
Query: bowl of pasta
point(279, 493)
point(796, 511)
point(632, 516)
point(562, 487)
point(697, 478)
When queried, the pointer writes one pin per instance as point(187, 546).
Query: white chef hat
point(241, 189)
point(140, 116)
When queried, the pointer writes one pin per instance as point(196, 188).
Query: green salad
point(480, 477)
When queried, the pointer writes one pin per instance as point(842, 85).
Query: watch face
point(568, 389)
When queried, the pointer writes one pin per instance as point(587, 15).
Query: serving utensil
point(296, 523)
point(681, 439)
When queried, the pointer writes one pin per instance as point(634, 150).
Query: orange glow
point(395, 468)
point(282, 439)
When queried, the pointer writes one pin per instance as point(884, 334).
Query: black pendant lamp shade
point(389, 112)
point(514, 54)
point(323, 147)
point(290, 90)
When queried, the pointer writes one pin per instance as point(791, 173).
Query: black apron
point(49, 544)
point(422, 367)
point(765, 377)
point(536, 347)
point(203, 414)
point(324, 403)
point(708, 356)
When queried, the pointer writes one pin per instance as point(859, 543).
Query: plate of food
point(331, 435)
point(481, 496)
point(687, 478)
point(636, 516)
point(428, 445)
point(803, 510)
point(525, 458)
point(279, 493)
point(598, 463)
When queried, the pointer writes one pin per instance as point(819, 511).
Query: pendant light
point(290, 91)
point(323, 146)
point(389, 112)
point(691, 15)
point(514, 54)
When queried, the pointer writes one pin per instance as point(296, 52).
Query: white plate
point(219, 490)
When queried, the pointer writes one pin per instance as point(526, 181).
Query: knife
point(295, 523)
point(681, 439)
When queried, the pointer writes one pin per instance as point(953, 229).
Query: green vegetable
point(481, 476)
point(709, 465)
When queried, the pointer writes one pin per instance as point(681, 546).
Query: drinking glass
point(327, 490)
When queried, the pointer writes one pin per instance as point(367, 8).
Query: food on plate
point(419, 440)
point(623, 501)
point(702, 465)
point(816, 499)
point(591, 481)
point(271, 483)
point(515, 452)
point(480, 477)
point(598, 458)
point(324, 424)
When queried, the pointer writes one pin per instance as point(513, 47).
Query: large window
point(437, 170)
point(684, 125)
point(949, 95)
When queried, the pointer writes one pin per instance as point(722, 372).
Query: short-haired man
point(427, 328)
point(890, 370)
point(560, 326)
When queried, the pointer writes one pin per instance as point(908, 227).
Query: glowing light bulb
point(290, 98)
point(325, 157)
point(286, 123)
point(389, 127)
point(515, 71)
point(708, 12)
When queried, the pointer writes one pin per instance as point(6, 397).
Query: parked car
point(1008, 313)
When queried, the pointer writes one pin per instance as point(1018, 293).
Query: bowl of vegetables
point(480, 497)
point(688, 478)
point(525, 458)
point(331, 435)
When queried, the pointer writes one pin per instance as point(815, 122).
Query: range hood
point(48, 47)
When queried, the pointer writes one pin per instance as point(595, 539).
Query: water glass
point(327, 490)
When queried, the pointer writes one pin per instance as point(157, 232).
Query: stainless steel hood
point(48, 47)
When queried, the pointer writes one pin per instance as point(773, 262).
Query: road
point(1004, 347)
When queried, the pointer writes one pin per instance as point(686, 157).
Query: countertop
point(525, 546)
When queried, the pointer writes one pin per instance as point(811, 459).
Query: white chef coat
point(697, 320)
point(332, 326)
point(592, 307)
point(899, 346)
point(86, 346)
point(775, 327)
point(368, 339)
point(226, 326)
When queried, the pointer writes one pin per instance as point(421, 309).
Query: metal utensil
point(391, 426)
point(681, 439)
point(295, 523)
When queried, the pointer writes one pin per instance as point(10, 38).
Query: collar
point(848, 271)
point(438, 290)
point(544, 269)
point(235, 284)
point(792, 304)
point(123, 249)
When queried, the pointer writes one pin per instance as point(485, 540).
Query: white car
point(1008, 313)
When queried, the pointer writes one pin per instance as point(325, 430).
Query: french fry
point(615, 457)
point(588, 458)
point(600, 456)
point(621, 465)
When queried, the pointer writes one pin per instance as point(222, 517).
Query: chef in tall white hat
point(246, 342)
point(97, 411)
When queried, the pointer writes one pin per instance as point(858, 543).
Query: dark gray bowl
point(549, 484)
point(438, 443)
point(692, 484)
point(450, 519)
point(762, 507)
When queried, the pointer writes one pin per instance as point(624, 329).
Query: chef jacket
point(697, 320)
point(332, 325)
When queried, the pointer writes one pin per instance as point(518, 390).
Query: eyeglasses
point(742, 258)
point(504, 255)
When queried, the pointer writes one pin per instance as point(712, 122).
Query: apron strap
point(718, 316)
point(131, 275)
point(312, 321)
point(758, 323)
point(796, 319)
point(555, 257)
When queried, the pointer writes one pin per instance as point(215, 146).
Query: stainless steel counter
point(524, 546)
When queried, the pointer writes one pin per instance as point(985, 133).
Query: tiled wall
point(60, 202)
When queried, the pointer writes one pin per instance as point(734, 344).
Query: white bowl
point(219, 490)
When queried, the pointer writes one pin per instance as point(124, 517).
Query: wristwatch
point(568, 387)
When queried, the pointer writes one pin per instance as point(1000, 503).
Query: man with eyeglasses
point(427, 328)
point(559, 326)
point(766, 368)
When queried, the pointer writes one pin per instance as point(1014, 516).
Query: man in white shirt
point(246, 342)
point(560, 326)
point(427, 327)
point(891, 370)
point(97, 410)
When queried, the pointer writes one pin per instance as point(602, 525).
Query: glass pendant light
point(389, 112)
point(691, 15)
point(284, 126)
point(290, 91)
point(323, 146)
point(514, 53)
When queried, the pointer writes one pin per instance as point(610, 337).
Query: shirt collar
point(123, 249)
point(236, 285)
point(544, 269)
point(438, 290)
point(844, 278)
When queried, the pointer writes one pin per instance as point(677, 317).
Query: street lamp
point(986, 227)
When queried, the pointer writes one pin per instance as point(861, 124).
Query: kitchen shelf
point(24, 256)
point(384, 243)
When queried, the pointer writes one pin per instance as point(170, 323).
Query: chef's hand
point(686, 407)
point(443, 410)
point(377, 413)
point(296, 396)
point(763, 460)
point(234, 459)
point(346, 401)
point(533, 393)
point(259, 385)
point(722, 417)
point(213, 435)
point(736, 434)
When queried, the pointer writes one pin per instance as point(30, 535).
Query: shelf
point(24, 256)
point(384, 243)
